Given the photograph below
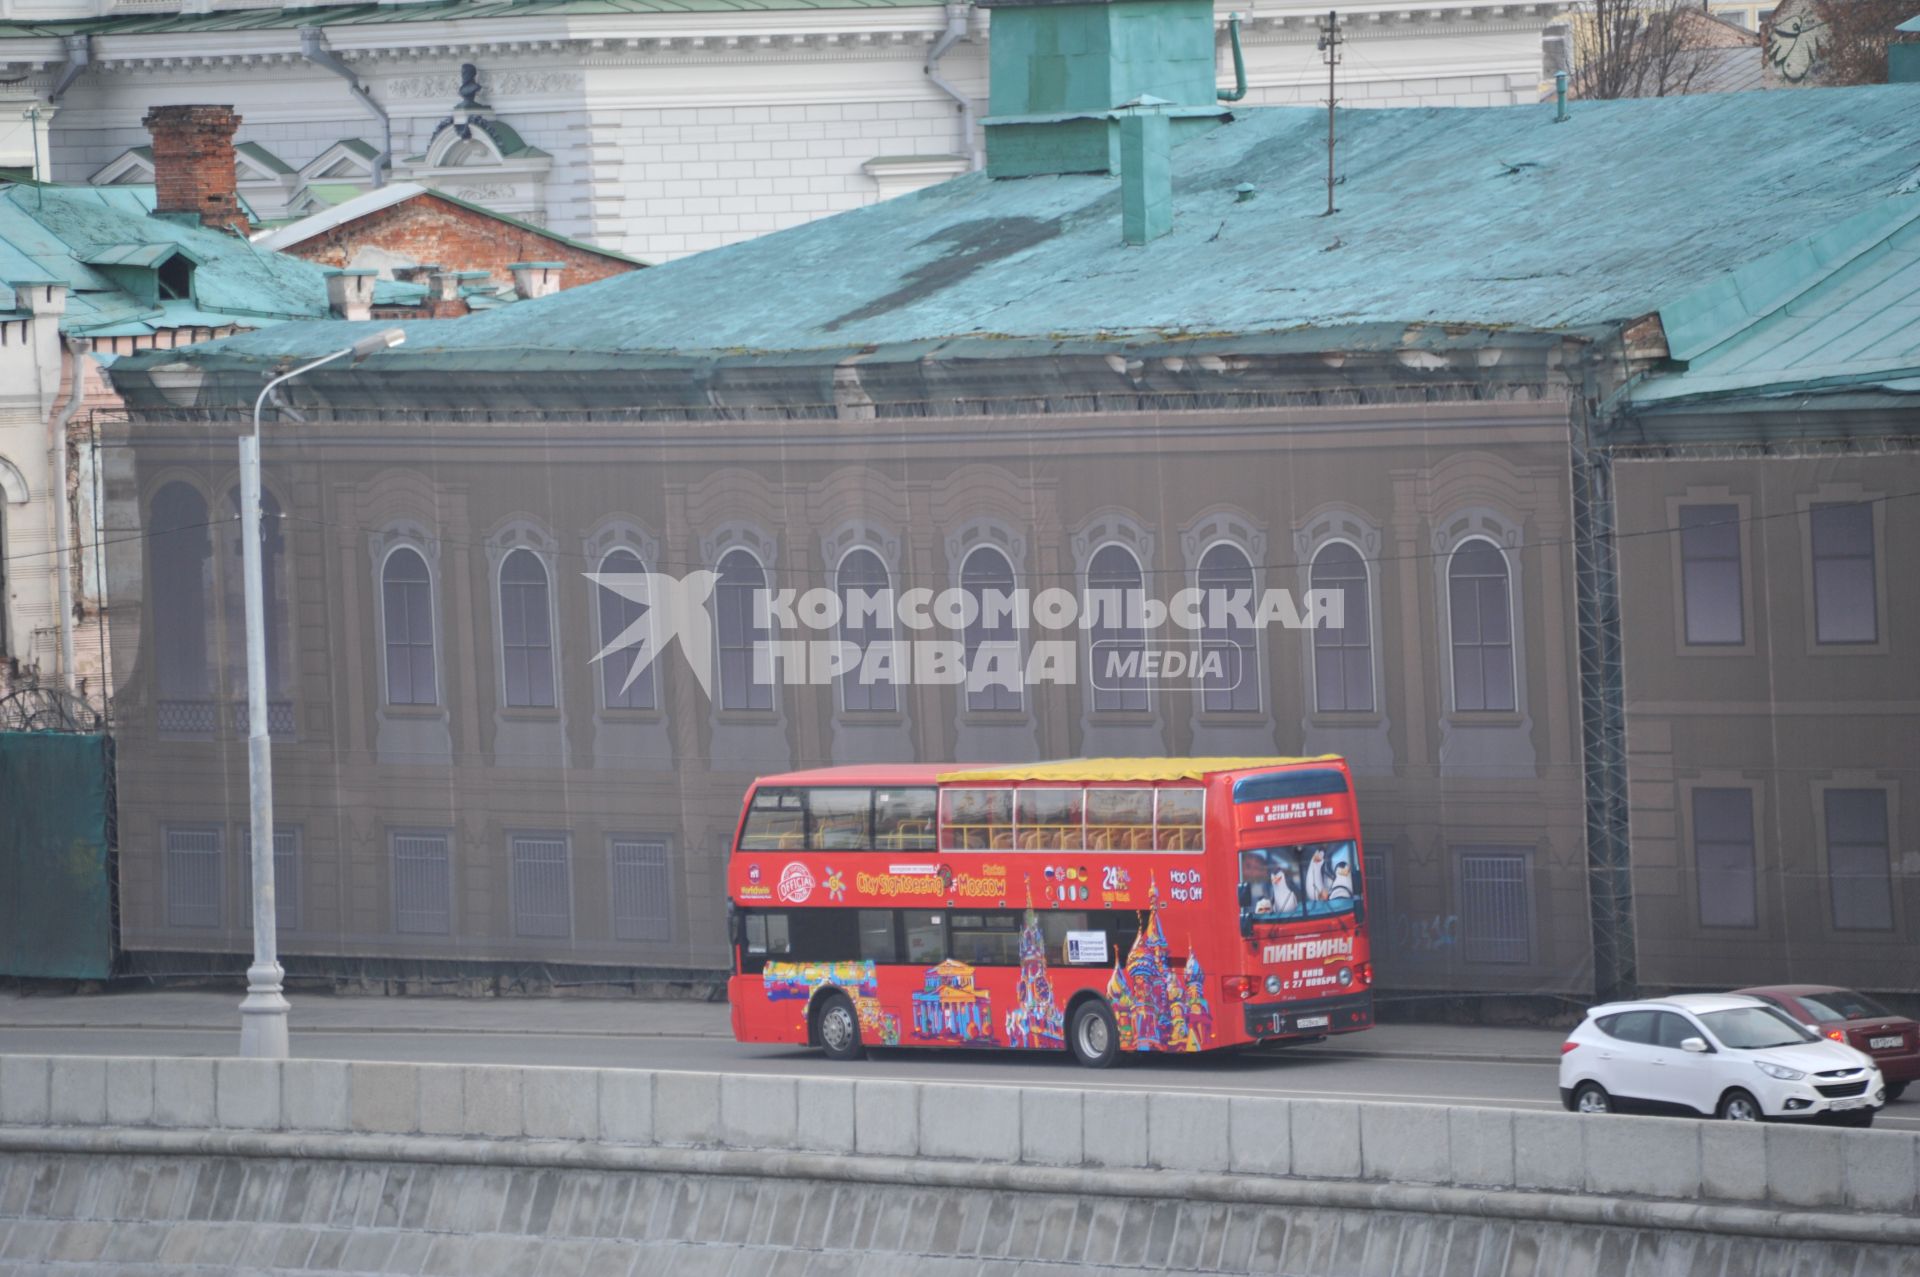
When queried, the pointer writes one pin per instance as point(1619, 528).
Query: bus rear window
point(1297, 784)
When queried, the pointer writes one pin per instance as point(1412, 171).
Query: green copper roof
point(88, 237)
point(1837, 311)
point(1493, 217)
point(439, 11)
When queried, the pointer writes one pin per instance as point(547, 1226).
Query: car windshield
point(1755, 1028)
point(1307, 881)
point(1842, 1004)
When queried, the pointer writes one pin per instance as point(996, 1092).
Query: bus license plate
point(1311, 1022)
point(1884, 1044)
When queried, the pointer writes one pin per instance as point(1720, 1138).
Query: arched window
point(987, 576)
point(1343, 657)
point(1227, 603)
point(619, 688)
point(526, 631)
point(273, 574)
point(742, 581)
point(407, 612)
point(1116, 644)
point(182, 594)
point(1481, 617)
point(866, 618)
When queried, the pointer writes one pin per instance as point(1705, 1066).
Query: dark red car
point(1857, 1020)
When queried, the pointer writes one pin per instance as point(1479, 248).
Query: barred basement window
point(641, 888)
point(422, 884)
point(542, 899)
point(1495, 914)
point(286, 875)
point(193, 876)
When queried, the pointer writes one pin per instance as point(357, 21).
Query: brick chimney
point(193, 164)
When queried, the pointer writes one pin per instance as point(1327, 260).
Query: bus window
point(1048, 819)
point(1054, 926)
point(1306, 881)
point(1119, 820)
point(926, 937)
point(877, 939)
point(1181, 826)
point(987, 939)
point(776, 821)
point(767, 934)
point(903, 819)
point(978, 819)
point(839, 819)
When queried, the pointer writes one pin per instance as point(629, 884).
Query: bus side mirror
point(1359, 907)
point(736, 926)
point(1244, 894)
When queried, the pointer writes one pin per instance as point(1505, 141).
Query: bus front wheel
point(1093, 1037)
point(837, 1028)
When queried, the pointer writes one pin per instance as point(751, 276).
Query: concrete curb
point(1559, 1208)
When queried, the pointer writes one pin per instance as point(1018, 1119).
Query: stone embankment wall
point(359, 1168)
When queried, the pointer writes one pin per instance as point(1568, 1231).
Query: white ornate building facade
point(652, 132)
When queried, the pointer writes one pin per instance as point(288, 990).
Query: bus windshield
point(1306, 880)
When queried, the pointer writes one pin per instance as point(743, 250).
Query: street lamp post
point(263, 1012)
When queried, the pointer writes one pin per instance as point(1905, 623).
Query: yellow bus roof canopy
point(1126, 769)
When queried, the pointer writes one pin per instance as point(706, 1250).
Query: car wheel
point(1591, 1097)
point(1895, 1090)
point(1738, 1106)
point(1093, 1037)
point(837, 1028)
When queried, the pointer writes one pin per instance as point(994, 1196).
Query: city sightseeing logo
point(997, 639)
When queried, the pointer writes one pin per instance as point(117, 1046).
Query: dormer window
point(175, 278)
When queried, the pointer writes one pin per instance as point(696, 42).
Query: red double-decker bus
point(1101, 906)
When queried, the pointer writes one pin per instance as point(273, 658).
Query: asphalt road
point(1348, 1068)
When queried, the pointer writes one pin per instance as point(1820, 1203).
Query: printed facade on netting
point(1155, 1008)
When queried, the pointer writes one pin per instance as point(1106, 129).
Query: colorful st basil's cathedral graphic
point(1155, 1007)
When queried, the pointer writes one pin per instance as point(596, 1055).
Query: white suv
point(1714, 1054)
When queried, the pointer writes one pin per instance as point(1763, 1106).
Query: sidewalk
point(623, 1017)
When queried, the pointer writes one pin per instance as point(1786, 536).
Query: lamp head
point(386, 339)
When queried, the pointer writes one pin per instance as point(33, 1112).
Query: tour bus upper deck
point(1095, 805)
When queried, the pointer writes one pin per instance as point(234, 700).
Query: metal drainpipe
point(955, 32)
point(313, 47)
point(77, 348)
point(1239, 89)
point(79, 58)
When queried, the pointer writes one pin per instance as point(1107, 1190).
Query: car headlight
point(1780, 1071)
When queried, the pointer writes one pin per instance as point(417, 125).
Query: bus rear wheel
point(1093, 1037)
point(837, 1028)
